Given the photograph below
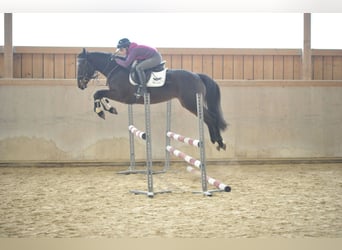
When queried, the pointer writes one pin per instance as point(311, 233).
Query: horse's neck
point(102, 63)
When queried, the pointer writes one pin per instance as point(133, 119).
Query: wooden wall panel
point(208, 65)
point(27, 69)
point(70, 66)
point(238, 68)
point(258, 67)
point(268, 67)
point(59, 67)
point(337, 68)
point(17, 66)
point(239, 64)
point(218, 67)
point(48, 66)
point(37, 64)
point(297, 68)
point(288, 68)
point(327, 68)
point(278, 70)
point(187, 62)
point(197, 65)
point(248, 68)
point(176, 62)
point(228, 67)
point(317, 64)
point(2, 65)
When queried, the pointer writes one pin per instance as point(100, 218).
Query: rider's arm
point(125, 62)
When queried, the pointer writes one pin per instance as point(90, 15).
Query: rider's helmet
point(123, 43)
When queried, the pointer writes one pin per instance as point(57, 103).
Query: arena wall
point(54, 121)
point(272, 113)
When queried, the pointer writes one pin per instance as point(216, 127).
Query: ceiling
point(11, 6)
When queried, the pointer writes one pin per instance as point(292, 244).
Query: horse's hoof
point(113, 111)
point(101, 114)
point(221, 145)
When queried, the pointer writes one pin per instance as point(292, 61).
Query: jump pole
point(198, 164)
point(168, 139)
point(199, 101)
point(218, 184)
point(150, 193)
point(199, 143)
point(196, 143)
point(132, 167)
point(181, 138)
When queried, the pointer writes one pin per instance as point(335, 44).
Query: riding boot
point(142, 86)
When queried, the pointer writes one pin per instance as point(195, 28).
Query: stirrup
point(138, 94)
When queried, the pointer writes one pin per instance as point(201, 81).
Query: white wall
point(57, 123)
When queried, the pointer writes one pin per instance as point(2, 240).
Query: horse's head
point(85, 71)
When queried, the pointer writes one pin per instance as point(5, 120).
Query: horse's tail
point(213, 98)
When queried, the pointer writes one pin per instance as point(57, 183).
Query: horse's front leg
point(101, 102)
point(106, 105)
point(98, 108)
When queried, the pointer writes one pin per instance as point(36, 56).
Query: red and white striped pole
point(181, 138)
point(184, 156)
point(210, 180)
point(137, 132)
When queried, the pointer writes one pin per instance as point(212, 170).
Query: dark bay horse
point(180, 84)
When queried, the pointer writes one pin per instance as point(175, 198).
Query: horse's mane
point(104, 60)
point(98, 53)
point(99, 56)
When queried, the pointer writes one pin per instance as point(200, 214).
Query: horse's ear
point(84, 51)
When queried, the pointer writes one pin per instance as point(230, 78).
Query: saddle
point(155, 76)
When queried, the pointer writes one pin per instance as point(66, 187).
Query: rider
point(146, 57)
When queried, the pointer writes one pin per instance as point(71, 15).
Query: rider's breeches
point(147, 64)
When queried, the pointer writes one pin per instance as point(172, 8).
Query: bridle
point(85, 78)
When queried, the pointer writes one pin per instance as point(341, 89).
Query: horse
point(180, 84)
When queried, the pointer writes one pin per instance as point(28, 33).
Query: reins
point(110, 59)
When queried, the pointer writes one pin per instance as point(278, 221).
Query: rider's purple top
point(136, 52)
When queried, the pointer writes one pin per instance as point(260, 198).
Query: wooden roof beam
point(8, 47)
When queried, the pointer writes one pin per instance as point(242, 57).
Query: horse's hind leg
point(214, 131)
point(220, 143)
point(209, 120)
